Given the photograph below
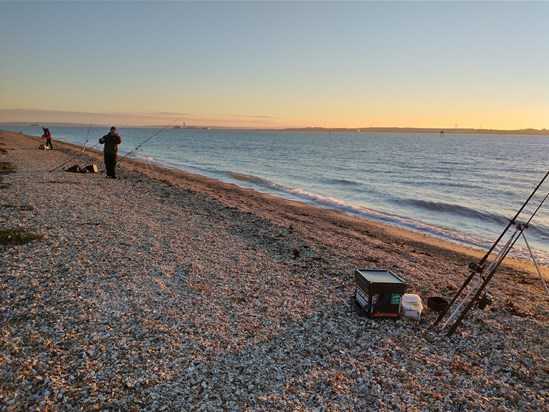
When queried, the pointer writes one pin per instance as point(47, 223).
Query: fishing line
point(489, 273)
point(513, 221)
point(88, 134)
point(139, 146)
point(83, 149)
point(74, 157)
point(479, 268)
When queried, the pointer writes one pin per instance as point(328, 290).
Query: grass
point(10, 237)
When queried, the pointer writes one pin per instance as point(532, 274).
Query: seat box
point(378, 292)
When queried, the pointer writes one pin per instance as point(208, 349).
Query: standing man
point(110, 150)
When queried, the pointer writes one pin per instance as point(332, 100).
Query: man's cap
point(113, 128)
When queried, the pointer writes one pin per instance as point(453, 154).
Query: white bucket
point(411, 306)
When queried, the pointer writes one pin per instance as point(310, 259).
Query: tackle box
point(378, 292)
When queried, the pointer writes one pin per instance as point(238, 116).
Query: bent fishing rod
point(478, 268)
point(157, 133)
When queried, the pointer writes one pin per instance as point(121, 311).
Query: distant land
point(411, 130)
point(408, 130)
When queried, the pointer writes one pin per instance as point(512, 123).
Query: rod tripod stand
point(484, 271)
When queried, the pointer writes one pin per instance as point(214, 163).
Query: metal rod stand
point(486, 273)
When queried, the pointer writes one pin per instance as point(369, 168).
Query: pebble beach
point(162, 290)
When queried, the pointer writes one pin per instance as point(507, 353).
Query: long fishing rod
point(513, 221)
point(158, 132)
point(519, 231)
point(83, 148)
point(88, 134)
point(532, 254)
point(74, 157)
point(479, 267)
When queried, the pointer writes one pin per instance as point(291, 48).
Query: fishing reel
point(475, 267)
point(484, 301)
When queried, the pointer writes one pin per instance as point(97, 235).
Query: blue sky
point(277, 64)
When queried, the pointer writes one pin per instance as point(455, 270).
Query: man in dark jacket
point(110, 150)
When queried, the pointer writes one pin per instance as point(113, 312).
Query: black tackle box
point(378, 292)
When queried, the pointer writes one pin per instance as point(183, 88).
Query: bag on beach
point(74, 169)
point(91, 169)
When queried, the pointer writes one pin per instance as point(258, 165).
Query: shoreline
point(167, 289)
point(407, 130)
point(177, 177)
point(450, 230)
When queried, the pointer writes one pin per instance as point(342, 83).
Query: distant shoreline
point(542, 132)
point(420, 130)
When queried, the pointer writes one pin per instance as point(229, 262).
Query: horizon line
point(304, 128)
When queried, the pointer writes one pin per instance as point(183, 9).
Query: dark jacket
point(111, 142)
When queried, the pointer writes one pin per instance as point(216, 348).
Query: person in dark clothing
point(47, 136)
point(110, 151)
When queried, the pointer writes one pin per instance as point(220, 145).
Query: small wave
point(249, 178)
point(454, 209)
point(441, 183)
point(341, 182)
point(539, 231)
point(267, 186)
point(147, 158)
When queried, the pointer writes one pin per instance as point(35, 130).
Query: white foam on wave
point(269, 187)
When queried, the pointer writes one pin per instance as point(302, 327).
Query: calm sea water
point(462, 188)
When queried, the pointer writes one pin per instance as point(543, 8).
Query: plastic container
point(411, 306)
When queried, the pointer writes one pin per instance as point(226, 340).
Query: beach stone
point(169, 290)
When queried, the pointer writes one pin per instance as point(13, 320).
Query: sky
point(277, 64)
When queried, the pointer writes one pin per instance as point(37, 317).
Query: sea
point(464, 188)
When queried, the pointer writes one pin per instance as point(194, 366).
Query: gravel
point(167, 291)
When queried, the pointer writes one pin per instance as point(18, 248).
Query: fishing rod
point(521, 227)
point(532, 254)
point(83, 148)
point(88, 134)
point(478, 268)
point(158, 132)
point(74, 157)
